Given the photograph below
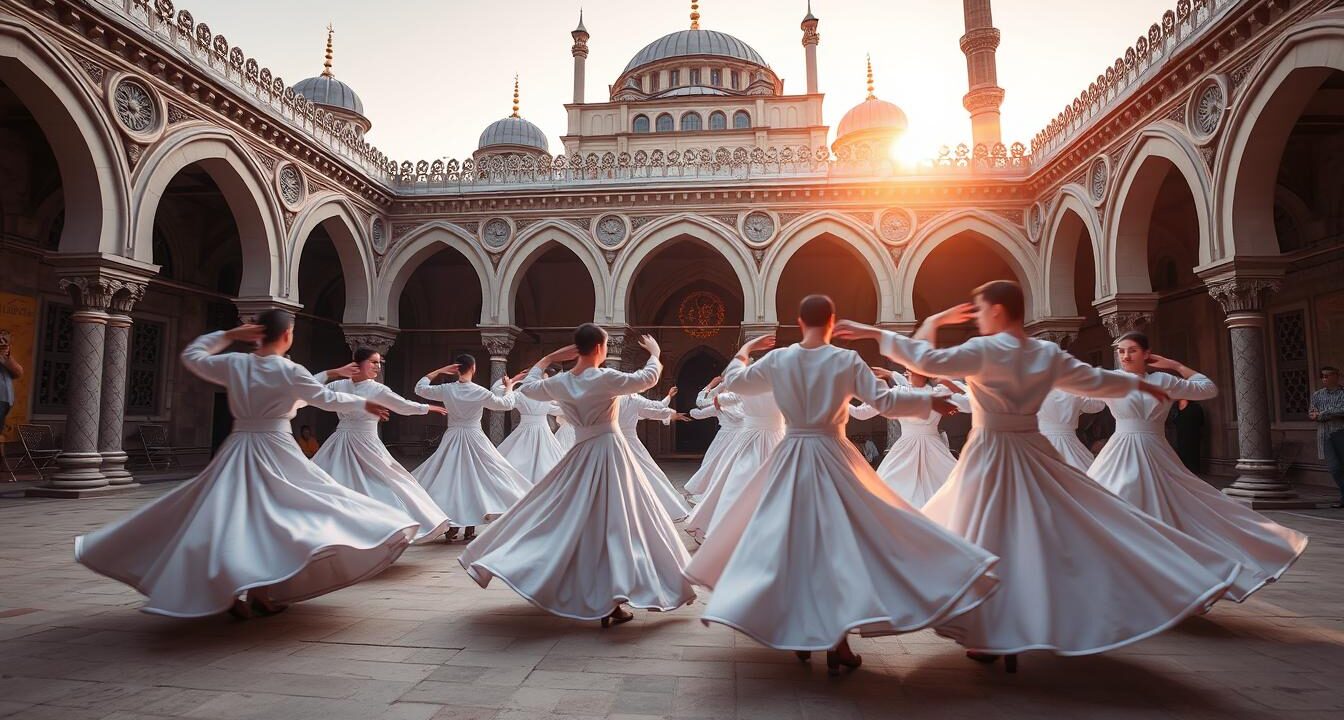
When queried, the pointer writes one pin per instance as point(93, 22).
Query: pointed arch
point(1073, 214)
point(418, 246)
point(1131, 200)
point(699, 229)
point(849, 231)
point(343, 223)
point(530, 245)
point(89, 155)
point(1004, 238)
point(246, 188)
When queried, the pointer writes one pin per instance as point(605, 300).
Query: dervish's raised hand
point(247, 332)
point(348, 370)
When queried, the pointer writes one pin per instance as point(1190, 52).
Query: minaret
point(984, 97)
point(326, 65)
point(810, 40)
point(580, 53)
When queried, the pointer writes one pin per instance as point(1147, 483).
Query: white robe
point(632, 409)
point(1140, 466)
point(564, 434)
point(1058, 421)
point(531, 448)
point(1082, 570)
point(712, 468)
point(259, 515)
point(919, 462)
point(816, 545)
point(592, 533)
point(355, 457)
point(466, 475)
point(762, 428)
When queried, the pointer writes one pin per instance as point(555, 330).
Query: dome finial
point(515, 96)
point(871, 96)
point(326, 65)
point(695, 15)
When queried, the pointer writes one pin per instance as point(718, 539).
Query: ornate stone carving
point(290, 183)
point(758, 227)
point(786, 218)
point(134, 151)
point(177, 115)
point(378, 235)
point(267, 161)
point(1206, 109)
point(289, 217)
point(1035, 222)
point(1097, 175)
point(496, 233)
point(729, 220)
point(1239, 295)
point(701, 313)
point(94, 70)
point(1061, 338)
point(895, 225)
point(93, 292)
point(584, 222)
point(376, 337)
point(400, 229)
point(1119, 323)
point(498, 345)
point(1241, 73)
point(640, 221)
point(611, 231)
point(136, 109)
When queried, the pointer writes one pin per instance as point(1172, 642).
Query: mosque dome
point(873, 121)
point(330, 94)
point(512, 132)
point(685, 43)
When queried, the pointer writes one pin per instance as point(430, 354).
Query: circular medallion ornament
point(496, 233)
point(291, 185)
point(136, 108)
point(700, 314)
point(378, 235)
point(1035, 221)
point(610, 231)
point(1207, 107)
point(758, 227)
point(895, 225)
point(1097, 176)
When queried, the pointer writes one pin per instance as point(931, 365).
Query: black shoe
point(451, 535)
point(618, 616)
point(470, 534)
point(803, 655)
point(834, 661)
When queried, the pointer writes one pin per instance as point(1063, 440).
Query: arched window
point(641, 123)
point(691, 121)
point(741, 120)
point(718, 121)
point(664, 123)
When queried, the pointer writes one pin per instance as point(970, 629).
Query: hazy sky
point(434, 73)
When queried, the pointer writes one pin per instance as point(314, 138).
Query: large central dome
point(685, 43)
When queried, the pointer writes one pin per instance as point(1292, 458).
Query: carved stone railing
point(1178, 29)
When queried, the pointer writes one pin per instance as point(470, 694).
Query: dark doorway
point(699, 367)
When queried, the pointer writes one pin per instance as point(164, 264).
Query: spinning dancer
point(355, 457)
point(919, 462)
point(531, 448)
point(591, 535)
point(1138, 465)
point(712, 468)
point(1058, 422)
point(633, 408)
point(261, 518)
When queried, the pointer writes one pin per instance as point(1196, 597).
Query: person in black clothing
point(1185, 425)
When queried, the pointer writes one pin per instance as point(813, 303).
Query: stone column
point(378, 337)
point(80, 462)
point(1126, 312)
point(616, 340)
point(112, 416)
point(1059, 330)
point(498, 341)
point(1242, 297)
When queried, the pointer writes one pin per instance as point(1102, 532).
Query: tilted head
point(370, 362)
point(591, 341)
point(1131, 351)
point(466, 366)
point(999, 305)
point(278, 329)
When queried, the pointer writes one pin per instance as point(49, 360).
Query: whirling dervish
point(1141, 467)
point(1058, 421)
point(633, 408)
point(591, 536)
point(564, 434)
point(919, 462)
point(816, 546)
point(1083, 571)
point(260, 519)
point(713, 469)
point(355, 457)
point(531, 448)
point(466, 475)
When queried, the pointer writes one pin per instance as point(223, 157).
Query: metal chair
point(39, 448)
point(157, 449)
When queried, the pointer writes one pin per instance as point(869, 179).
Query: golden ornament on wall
point(701, 313)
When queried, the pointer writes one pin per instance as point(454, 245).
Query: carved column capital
point(1126, 312)
point(1059, 330)
point(1243, 294)
point(250, 307)
point(499, 341)
point(378, 337)
point(616, 341)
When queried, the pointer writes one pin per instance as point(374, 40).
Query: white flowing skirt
point(564, 435)
point(817, 546)
point(713, 468)
point(917, 466)
point(589, 536)
point(673, 502)
point(750, 450)
point(1071, 449)
point(1082, 570)
point(532, 449)
point(469, 479)
point(358, 460)
point(259, 515)
point(1143, 469)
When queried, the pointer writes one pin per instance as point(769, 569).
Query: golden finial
point(326, 66)
point(515, 95)
point(871, 96)
point(695, 15)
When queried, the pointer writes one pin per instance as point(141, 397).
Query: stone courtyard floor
point(422, 641)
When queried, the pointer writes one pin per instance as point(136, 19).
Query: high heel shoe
point(803, 655)
point(834, 661)
point(617, 617)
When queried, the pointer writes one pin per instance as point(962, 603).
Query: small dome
point(694, 42)
point(513, 131)
point(328, 91)
point(872, 115)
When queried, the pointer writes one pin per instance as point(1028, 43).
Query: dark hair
point(1139, 339)
point(587, 337)
point(1329, 368)
point(274, 323)
point(816, 310)
point(465, 363)
point(363, 352)
point(1006, 293)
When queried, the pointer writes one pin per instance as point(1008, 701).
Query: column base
point(114, 468)
point(79, 471)
point(69, 493)
point(1259, 486)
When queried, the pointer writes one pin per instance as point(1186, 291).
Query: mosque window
point(641, 123)
point(145, 364)
point(664, 123)
point(691, 121)
point(741, 120)
point(734, 79)
point(1292, 367)
point(674, 78)
point(653, 81)
point(55, 359)
point(718, 121)
point(716, 78)
point(695, 76)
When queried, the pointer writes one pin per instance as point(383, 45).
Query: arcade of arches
point(1224, 241)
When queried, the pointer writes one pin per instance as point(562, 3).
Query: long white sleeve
point(383, 395)
point(925, 359)
point(1077, 377)
point(429, 391)
point(309, 390)
point(202, 358)
point(889, 402)
point(1198, 387)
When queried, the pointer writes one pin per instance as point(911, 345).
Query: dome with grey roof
point(327, 91)
point(513, 131)
point(685, 43)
